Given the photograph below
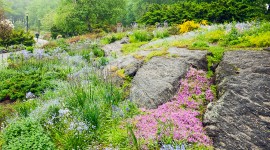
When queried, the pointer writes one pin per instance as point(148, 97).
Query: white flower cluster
point(79, 126)
point(8, 23)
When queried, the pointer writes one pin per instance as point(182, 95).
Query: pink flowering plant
point(178, 121)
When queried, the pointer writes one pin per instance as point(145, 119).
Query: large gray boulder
point(157, 81)
point(240, 118)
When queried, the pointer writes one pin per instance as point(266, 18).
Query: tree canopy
point(73, 17)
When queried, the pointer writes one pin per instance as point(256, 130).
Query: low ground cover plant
point(178, 121)
point(26, 134)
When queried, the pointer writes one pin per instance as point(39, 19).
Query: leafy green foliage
point(18, 85)
point(73, 18)
point(30, 49)
point(26, 134)
point(214, 58)
point(161, 33)
point(110, 38)
point(217, 11)
point(98, 52)
point(140, 36)
point(18, 37)
point(33, 75)
point(55, 32)
point(199, 45)
point(131, 47)
point(215, 35)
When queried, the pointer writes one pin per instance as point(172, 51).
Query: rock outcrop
point(113, 49)
point(240, 118)
point(157, 81)
point(128, 63)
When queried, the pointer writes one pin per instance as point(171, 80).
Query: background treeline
point(218, 11)
point(74, 17)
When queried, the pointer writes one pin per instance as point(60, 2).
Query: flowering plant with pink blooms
point(179, 119)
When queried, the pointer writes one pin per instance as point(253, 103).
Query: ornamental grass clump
point(178, 120)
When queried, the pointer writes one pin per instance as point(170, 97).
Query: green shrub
point(24, 108)
point(86, 54)
point(260, 40)
point(26, 134)
point(19, 37)
point(218, 11)
point(62, 43)
point(98, 52)
point(215, 35)
point(30, 49)
point(110, 38)
point(55, 32)
point(102, 61)
point(199, 45)
point(140, 36)
point(16, 87)
point(161, 33)
point(33, 75)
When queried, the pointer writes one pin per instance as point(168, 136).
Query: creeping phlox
point(179, 118)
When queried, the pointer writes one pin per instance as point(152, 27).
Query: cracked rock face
point(157, 81)
point(240, 118)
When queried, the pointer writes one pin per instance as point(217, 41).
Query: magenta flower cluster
point(180, 117)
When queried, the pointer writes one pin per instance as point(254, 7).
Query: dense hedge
point(219, 11)
point(18, 37)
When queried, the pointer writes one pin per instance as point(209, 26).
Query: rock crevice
point(239, 119)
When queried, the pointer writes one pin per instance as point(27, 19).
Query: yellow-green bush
point(188, 26)
point(131, 47)
point(215, 35)
point(260, 40)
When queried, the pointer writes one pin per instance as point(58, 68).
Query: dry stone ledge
point(240, 118)
point(157, 81)
point(128, 63)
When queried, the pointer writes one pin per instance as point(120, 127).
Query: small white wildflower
point(63, 112)
point(30, 95)
point(72, 126)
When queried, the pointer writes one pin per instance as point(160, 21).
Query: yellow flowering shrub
point(188, 26)
point(204, 22)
